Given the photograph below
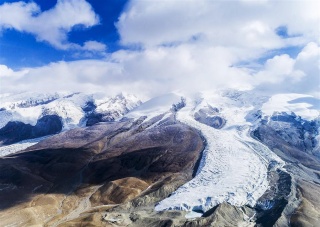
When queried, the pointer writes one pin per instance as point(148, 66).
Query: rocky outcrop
point(291, 138)
point(294, 131)
point(210, 116)
point(271, 205)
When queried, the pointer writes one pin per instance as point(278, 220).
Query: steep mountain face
point(295, 141)
point(15, 131)
point(222, 158)
point(299, 133)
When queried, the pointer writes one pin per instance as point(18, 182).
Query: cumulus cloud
point(5, 71)
point(298, 75)
point(53, 25)
point(81, 75)
point(148, 73)
point(194, 46)
point(164, 69)
point(244, 30)
point(94, 46)
point(276, 69)
point(227, 23)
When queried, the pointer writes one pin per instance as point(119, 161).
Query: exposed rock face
point(103, 165)
point(294, 140)
point(210, 116)
point(296, 131)
point(291, 138)
point(16, 131)
point(118, 191)
point(224, 215)
point(270, 206)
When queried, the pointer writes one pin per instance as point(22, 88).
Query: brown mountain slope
point(95, 168)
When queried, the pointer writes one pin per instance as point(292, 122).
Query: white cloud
point(150, 72)
point(245, 30)
point(164, 69)
point(308, 61)
point(284, 74)
point(94, 46)
point(226, 23)
point(193, 46)
point(276, 69)
point(52, 25)
point(61, 76)
point(5, 71)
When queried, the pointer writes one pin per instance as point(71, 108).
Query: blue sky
point(153, 47)
point(23, 50)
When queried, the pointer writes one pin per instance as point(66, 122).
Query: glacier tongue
point(233, 168)
point(14, 148)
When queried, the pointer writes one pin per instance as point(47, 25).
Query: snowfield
point(155, 106)
point(304, 106)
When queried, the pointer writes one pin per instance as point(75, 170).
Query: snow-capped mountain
point(25, 110)
point(234, 167)
point(256, 146)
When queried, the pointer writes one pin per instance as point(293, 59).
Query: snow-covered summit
point(73, 108)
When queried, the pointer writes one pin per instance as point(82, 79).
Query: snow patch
point(193, 215)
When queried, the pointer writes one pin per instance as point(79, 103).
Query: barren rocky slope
point(293, 139)
point(96, 168)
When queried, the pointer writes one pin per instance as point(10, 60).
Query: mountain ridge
point(279, 155)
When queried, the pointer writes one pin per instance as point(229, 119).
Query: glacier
point(233, 167)
point(20, 146)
